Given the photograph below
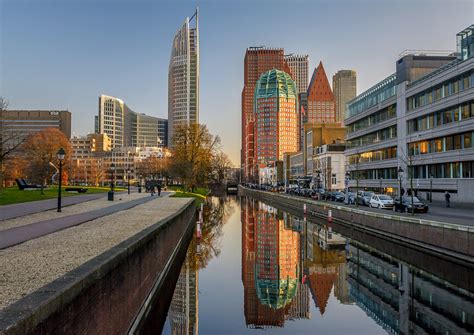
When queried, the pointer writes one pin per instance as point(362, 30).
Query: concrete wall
point(446, 239)
point(104, 295)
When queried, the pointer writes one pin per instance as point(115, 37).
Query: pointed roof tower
point(319, 88)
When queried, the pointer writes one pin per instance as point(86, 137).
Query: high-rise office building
point(298, 65)
point(257, 61)
point(276, 123)
point(417, 123)
point(16, 125)
point(126, 127)
point(344, 89)
point(183, 77)
point(111, 119)
point(321, 102)
point(163, 132)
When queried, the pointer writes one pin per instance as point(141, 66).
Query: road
point(436, 212)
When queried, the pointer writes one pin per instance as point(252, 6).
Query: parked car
point(364, 197)
point(338, 196)
point(381, 201)
point(419, 205)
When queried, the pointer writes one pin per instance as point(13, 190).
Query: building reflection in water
point(284, 260)
point(271, 268)
point(286, 264)
point(404, 299)
point(183, 313)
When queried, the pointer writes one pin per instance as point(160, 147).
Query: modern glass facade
point(373, 96)
point(124, 126)
point(465, 42)
point(426, 129)
point(276, 103)
point(183, 77)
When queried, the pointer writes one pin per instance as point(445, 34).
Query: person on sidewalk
point(159, 190)
point(447, 196)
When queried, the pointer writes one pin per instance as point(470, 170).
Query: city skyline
point(132, 63)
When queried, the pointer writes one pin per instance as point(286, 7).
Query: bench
point(76, 189)
point(23, 185)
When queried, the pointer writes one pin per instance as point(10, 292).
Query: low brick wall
point(104, 295)
point(445, 237)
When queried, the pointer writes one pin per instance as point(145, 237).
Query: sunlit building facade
point(183, 77)
point(321, 102)
point(419, 120)
point(124, 126)
point(344, 86)
point(258, 60)
point(298, 65)
point(276, 124)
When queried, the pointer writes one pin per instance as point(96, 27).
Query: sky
point(62, 54)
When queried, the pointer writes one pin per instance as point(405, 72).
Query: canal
point(258, 268)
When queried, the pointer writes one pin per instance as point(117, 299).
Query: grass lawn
point(13, 195)
point(198, 190)
point(199, 193)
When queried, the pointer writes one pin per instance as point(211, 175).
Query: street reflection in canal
point(257, 267)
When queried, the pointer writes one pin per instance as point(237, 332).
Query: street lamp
point(400, 174)
point(318, 176)
point(112, 182)
point(60, 154)
point(128, 180)
point(431, 187)
point(346, 184)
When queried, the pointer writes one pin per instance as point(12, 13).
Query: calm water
point(258, 269)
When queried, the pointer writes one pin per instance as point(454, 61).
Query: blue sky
point(64, 54)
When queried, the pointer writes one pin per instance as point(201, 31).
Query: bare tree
point(220, 164)
point(194, 149)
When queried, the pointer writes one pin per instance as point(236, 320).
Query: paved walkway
point(29, 266)
point(14, 236)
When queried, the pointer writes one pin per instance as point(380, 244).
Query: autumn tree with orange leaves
point(40, 149)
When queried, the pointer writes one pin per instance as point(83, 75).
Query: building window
point(333, 179)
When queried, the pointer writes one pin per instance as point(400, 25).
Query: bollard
point(198, 230)
point(329, 216)
point(304, 208)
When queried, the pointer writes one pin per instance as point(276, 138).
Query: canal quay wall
point(450, 240)
point(111, 293)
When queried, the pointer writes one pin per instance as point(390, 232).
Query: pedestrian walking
point(152, 190)
point(159, 190)
point(447, 196)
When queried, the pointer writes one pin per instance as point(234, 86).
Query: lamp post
point(400, 174)
point(346, 184)
point(128, 180)
point(431, 187)
point(112, 182)
point(60, 154)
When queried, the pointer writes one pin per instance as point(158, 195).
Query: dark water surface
point(259, 269)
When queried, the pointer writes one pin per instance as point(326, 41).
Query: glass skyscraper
point(183, 77)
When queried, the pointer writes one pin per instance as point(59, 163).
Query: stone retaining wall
point(104, 295)
point(450, 238)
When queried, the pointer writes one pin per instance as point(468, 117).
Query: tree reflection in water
point(183, 311)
